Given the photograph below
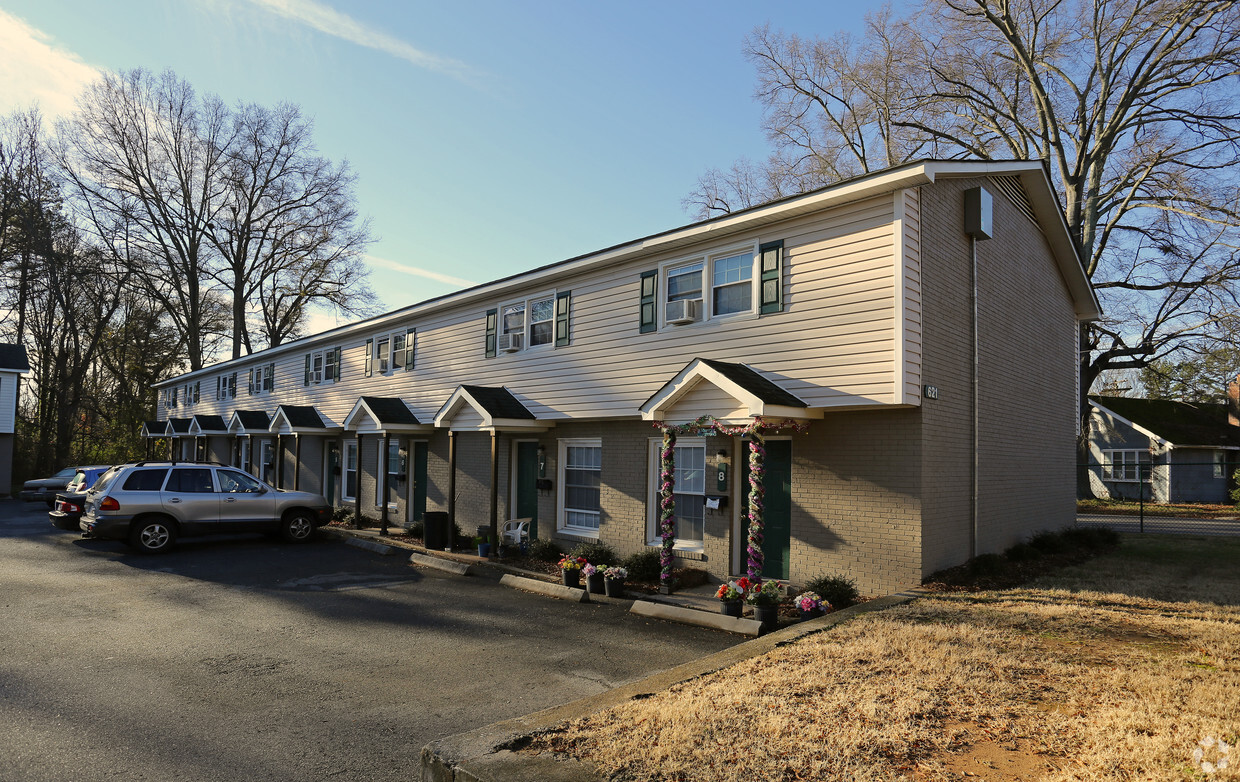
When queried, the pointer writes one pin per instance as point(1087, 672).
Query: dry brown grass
point(1087, 675)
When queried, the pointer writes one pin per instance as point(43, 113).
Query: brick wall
point(1026, 391)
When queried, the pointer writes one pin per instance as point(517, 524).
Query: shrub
point(1093, 538)
point(1021, 552)
point(987, 565)
point(1049, 542)
point(544, 550)
point(417, 529)
point(342, 513)
point(595, 553)
point(644, 565)
point(839, 590)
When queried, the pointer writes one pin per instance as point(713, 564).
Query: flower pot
point(614, 587)
point(813, 613)
point(731, 608)
point(572, 578)
point(594, 583)
point(484, 549)
point(767, 615)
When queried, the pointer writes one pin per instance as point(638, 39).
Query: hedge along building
point(918, 424)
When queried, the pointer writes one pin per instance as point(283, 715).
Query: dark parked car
point(46, 489)
point(66, 512)
point(151, 504)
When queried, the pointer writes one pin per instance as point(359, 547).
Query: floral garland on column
point(756, 557)
point(757, 482)
point(667, 505)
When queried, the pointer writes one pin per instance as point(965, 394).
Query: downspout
point(973, 514)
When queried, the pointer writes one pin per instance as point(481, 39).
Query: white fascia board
point(1138, 427)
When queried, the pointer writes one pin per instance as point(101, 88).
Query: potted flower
point(594, 577)
point(765, 601)
point(570, 570)
point(730, 596)
point(811, 605)
point(613, 580)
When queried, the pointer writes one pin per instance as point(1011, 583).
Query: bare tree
point(289, 217)
point(145, 156)
point(1135, 104)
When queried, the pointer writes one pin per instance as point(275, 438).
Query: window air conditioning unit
point(684, 311)
point(511, 343)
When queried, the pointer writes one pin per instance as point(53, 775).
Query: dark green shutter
point(772, 267)
point(250, 389)
point(336, 368)
point(270, 381)
point(492, 325)
point(411, 339)
point(649, 308)
point(370, 357)
point(563, 305)
point(306, 381)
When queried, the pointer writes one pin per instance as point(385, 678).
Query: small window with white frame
point(390, 352)
point(226, 386)
point(732, 284)
point(527, 324)
point(1125, 466)
point(348, 486)
point(581, 470)
point(1220, 464)
point(689, 492)
point(322, 366)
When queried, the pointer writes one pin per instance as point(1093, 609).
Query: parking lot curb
point(370, 545)
point(486, 754)
point(438, 563)
point(544, 588)
point(692, 616)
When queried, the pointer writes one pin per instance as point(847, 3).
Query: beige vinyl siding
point(705, 399)
point(834, 344)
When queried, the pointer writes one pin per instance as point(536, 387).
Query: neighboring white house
point(13, 364)
point(844, 315)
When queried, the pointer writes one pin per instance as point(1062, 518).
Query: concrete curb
point(544, 588)
point(445, 565)
point(692, 616)
point(483, 755)
point(370, 545)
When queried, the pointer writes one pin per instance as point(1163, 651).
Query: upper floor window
point(322, 366)
point(262, 379)
point(192, 392)
point(226, 386)
point(714, 286)
point(732, 284)
point(527, 324)
point(390, 352)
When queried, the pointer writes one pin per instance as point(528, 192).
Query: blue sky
point(488, 137)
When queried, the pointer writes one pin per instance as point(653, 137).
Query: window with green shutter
point(772, 268)
point(411, 341)
point(370, 358)
point(563, 307)
point(649, 308)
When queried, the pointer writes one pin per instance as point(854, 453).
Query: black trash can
point(437, 531)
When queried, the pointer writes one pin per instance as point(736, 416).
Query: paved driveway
point(246, 659)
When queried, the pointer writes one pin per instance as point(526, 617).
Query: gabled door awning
point(201, 425)
point(730, 393)
point(154, 428)
point(486, 409)
point(179, 427)
point(298, 419)
point(249, 422)
point(384, 415)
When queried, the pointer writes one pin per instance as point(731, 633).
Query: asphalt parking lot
point(246, 658)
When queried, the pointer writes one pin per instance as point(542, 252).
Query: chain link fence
point(1170, 496)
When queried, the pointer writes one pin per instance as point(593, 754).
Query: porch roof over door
point(487, 409)
point(207, 424)
point(384, 415)
point(179, 427)
point(731, 393)
point(249, 422)
point(154, 428)
point(301, 419)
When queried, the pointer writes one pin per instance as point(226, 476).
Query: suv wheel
point(297, 527)
point(152, 536)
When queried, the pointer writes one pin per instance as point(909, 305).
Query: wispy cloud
point(33, 69)
point(332, 22)
point(414, 271)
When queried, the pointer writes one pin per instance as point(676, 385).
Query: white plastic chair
point(516, 531)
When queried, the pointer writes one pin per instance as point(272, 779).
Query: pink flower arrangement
point(809, 601)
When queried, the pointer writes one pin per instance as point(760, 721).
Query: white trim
point(1124, 420)
point(698, 371)
point(561, 511)
point(362, 420)
point(444, 418)
point(900, 346)
point(381, 466)
point(344, 471)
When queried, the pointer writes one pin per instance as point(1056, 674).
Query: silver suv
point(151, 504)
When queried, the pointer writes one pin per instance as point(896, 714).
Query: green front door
point(419, 481)
point(777, 511)
point(527, 485)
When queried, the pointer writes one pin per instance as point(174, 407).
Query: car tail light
point(109, 503)
point(69, 507)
